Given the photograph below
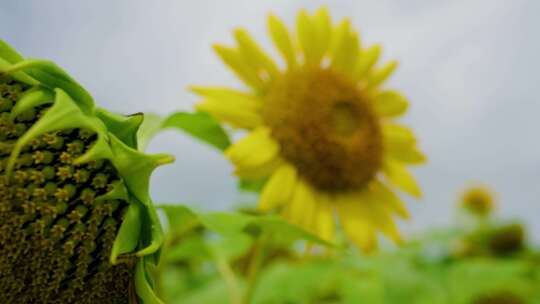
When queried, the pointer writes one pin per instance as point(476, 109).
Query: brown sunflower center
point(326, 127)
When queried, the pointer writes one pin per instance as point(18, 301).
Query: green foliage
point(233, 223)
point(199, 125)
point(427, 270)
point(244, 257)
point(202, 247)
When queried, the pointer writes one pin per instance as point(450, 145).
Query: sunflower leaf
point(150, 127)
point(199, 125)
point(233, 223)
point(180, 218)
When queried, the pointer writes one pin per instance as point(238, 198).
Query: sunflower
point(320, 130)
point(478, 200)
point(77, 224)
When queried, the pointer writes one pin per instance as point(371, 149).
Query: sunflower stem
point(228, 275)
point(253, 269)
point(159, 270)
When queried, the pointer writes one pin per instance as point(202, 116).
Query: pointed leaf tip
point(164, 159)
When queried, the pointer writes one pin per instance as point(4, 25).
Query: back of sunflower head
point(76, 222)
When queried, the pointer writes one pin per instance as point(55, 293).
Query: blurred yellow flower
point(321, 129)
point(478, 199)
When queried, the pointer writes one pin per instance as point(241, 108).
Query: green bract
point(76, 221)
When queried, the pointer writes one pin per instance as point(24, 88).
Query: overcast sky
point(469, 67)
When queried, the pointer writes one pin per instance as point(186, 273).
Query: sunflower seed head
point(57, 235)
point(507, 240)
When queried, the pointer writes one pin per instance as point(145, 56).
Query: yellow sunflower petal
point(356, 227)
point(400, 144)
point(390, 103)
point(307, 37)
point(367, 60)
point(323, 26)
point(282, 40)
point(394, 133)
point(253, 54)
point(229, 96)
point(346, 47)
point(236, 113)
point(261, 171)
point(279, 188)
point(376, 209)
point(390, 199)
point(367, 204)
point(324, 219)
point(406, 153)
point(380, 75)
point(221, 93)
point(398, 174)
point(302, 206)
point(254, 150)
point(233, 58)
point(383, 221)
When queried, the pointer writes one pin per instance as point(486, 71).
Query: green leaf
point(201, 126)
point(308, 282)
point(192, 248)
point(53, 77)
point(143, 284)
point(471, 278)
point(31, 99)
point(368, 289)
point(232, 246)
point(136, 167)
point(6, 69)
point(124, 127)
point(214, 292)
point(195, 247)
point(406, 283)
point(231, 223)
point(151, 125)
point(129, 233)
point(152, 235)
point(283, 231)
point(180, 218)
point(226, 223)
point(8, 53)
